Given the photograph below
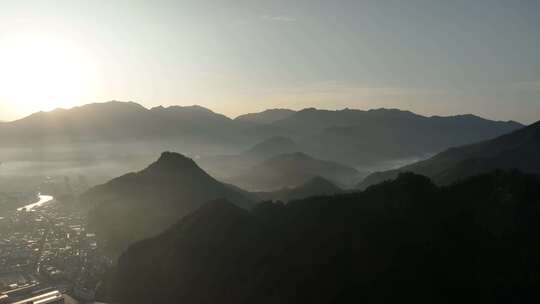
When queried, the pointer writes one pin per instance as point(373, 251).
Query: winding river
point(42, 200)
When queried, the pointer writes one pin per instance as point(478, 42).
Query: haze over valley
point(108, 139)
point(320, 152)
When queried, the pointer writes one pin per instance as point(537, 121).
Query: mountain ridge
point(317, 186)
point(291, 170)
point(352, 247)
point(265, 117)
point(139, 204)
point(355, 138)
point(517, 150)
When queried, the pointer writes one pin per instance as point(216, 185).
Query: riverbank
point(43, 199)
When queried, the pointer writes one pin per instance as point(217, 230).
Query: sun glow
point(40, 71)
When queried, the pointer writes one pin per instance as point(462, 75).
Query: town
point(47, 248)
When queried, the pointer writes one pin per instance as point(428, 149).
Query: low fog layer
point(97, 142)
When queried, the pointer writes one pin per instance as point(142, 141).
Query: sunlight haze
point(269, 151)
point(236, 57)
point(43, 71)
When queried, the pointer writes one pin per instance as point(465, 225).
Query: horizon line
point(256, 112)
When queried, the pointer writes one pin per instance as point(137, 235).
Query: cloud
point(279, 18)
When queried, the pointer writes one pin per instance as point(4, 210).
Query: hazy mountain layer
point(272, 147)
point(363, 137)
point(266, 117)
point(137, 205)
point(517, 150)
point(292, 170)
point(316, 186)
point(102, 122)
point(347, 136)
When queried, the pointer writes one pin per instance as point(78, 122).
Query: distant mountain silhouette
point(316, 186)
point(272, 147)
point(138, 205)
point(517, 150)
point(400, 241)
point(119, 121)
point(227, 166)
point(363, 137)
point(95, 133)
point(266, 117)
point(291, 170)
point(374, 130)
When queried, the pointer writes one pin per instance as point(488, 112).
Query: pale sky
point(430, 57)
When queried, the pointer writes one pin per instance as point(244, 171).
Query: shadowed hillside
point(316, 186)
point(517, 150)
point(405, 240)
point(138, 205)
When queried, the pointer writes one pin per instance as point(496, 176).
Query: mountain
point(291, 170)
point(200, 241)
point(266, 117)
point(366, 137)
point(114, 122)
point(82, 123)
point(228, 166)
point(103, 139)
point(137, 205)
point(106, 139)
point(517, 150)
point(272, 147)
point(119, 122)
point(315, 120)
point(366, 140)
point(316, 186)
point(401, 241)
point(192, 117)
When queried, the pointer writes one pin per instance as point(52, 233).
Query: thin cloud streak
point(278, 18)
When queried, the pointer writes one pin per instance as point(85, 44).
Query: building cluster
point(50, 246)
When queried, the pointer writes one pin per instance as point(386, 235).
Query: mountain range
point(266, 116)
point(518, 150)
point(444, 229)
point(138, 205)
point(362, 137)
point(271, 147)
point(231, 166)
point(141, 204)
point(317, 186)
point(112, 121)
point(292, 170)
point(402, 240)
point(353, 137)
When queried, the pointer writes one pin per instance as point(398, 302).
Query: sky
point(430, 57)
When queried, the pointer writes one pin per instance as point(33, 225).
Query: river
point(42, 200)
